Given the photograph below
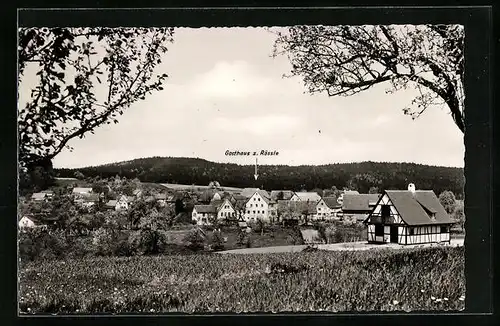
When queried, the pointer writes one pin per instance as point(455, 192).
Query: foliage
point(459, 214)
point(195, 239)
point(447, 199)
point(346, 60)
point(198, 171)
point(217, 240)
point(385, 280)
point(70, 65)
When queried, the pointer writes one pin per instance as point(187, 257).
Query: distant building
point(120, 204)
point(226, 211)
point(248, 192)
point(306, 197)
point(409, 217)
point(81, 191)
point(40, 196)
point(281, 195)
point(257, 206)
point(28, 222)
point(327, 208)
point(204, 214)
point(356, 207)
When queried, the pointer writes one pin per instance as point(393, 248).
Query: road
point(346, 246)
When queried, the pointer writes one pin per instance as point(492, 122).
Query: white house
point(217, 196)
point(27, 222)
point(203, 214)
point(81, 191)
point(40, 196)
point(327, 208)
point(226, 210)
point(122, 203)
point(257, 206)
point(409, 217)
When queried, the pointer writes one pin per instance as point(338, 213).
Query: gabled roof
point(308, 196)
point(216, 202)
point(81, 190)
point(38, 195)
point(264, 194)
point(359, 202)
point(240, 204)
point(239, 197)
point(331, 202)
point(287, 194)
point(205, 208)
point(417, 208)
point(248, 192)
point(223, 202)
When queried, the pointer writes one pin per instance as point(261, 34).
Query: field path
point(345, 246)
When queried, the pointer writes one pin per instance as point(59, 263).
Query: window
point(254, 212)
point(254, 199)
point(258, 199)
point(444, 229)
point(411, 231)
point(385, 211)
point(261, 205)
point(379, 230)
point(250, 205)
point(248, 212)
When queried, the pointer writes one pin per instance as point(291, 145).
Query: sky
point(226, 92)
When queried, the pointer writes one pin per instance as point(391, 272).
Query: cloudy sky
point(225, 92)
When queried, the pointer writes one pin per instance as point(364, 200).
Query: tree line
point(364, 177)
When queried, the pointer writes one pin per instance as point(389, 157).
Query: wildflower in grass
point(433, 298)
point(395, 302)
point(445, 299)
point(438, 300)
point(462, 298)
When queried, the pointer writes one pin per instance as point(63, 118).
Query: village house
point(226, 211)
point(306, 197)
point(281, 194)
point(340, 200)
point(28, 222)
point(327, 208)
point(257, 206)
point(121, 204)
point(40, 196)
point(204, 214)
point(81, 191)
point(161, 199)
point(408, 217)
point(88, 201)
point(356, 207)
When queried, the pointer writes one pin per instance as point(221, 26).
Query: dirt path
point(346, 246)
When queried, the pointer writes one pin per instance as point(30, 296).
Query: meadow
point(382, 280)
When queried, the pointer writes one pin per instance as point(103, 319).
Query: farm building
point(306, 197)
point(409, 217)
point(203, 214)
point(81, 191)
point(27, 222)
point(40, 196)
point(327, 208)
point(357, 207)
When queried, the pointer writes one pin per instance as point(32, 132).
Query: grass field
point(416, 279)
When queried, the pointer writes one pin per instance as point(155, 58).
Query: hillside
point(356, 175)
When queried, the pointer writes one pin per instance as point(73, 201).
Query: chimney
point(411, 187)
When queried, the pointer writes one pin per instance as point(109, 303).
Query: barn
point(408, 217)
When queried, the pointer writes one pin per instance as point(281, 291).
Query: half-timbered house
point(408, 217)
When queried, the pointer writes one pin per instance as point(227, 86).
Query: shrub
point(217, 241)
point(42, 244)
point(195, 240)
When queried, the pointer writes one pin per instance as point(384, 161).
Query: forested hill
point(362, 176)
